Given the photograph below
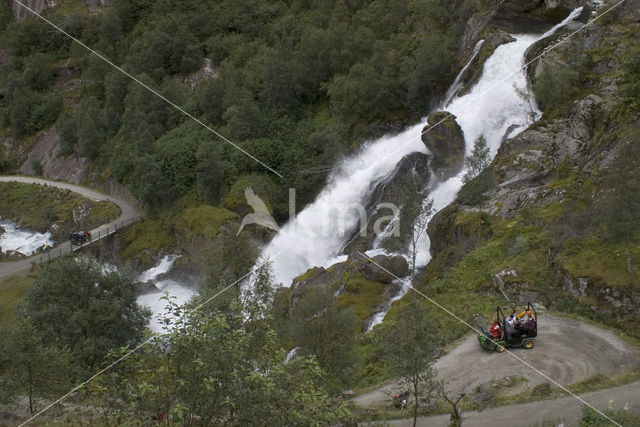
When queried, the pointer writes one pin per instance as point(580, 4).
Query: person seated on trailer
point(530, 323)
point(510, 324)
point(496, 331)
point(520, 327)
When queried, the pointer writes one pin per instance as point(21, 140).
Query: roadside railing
point(69, 246)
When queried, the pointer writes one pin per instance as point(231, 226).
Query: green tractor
point(512, 331)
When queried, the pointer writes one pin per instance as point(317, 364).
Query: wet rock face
point(532, 16)
point(73, 168)
point(446, 143)
point(622, 301)
point(526, 163)
point(404, 189)
point(20, 12)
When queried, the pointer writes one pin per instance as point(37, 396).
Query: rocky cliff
point(546, 214)
point(39, 6)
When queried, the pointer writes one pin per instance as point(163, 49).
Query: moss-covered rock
point(361, 283)
point(404, 189)
point(443, 137)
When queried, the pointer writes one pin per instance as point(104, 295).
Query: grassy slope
point(12, 291)
point(39, 207)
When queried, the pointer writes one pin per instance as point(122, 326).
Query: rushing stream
point(25, 242)
point(500, 105)
point(178, 292)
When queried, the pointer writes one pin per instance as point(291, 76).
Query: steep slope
point(558, 211)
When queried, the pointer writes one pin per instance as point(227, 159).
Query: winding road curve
point(564, 411)
point(567, 350)
point(128, 215)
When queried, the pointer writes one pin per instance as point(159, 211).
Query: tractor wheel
point(528, 345)
point(500, 348)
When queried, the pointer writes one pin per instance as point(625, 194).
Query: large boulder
point(532, 16)
point(405, 188)
point(73, 168)
point(457, 227)
point(443, 137)
point(364, 284)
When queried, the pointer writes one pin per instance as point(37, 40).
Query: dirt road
point(567, 410)
point(566, 350)
point(128, 214)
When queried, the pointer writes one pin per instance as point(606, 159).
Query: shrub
point(556, 86)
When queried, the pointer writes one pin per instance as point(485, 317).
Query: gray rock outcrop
point(444, 139)
point(405, 189)
point(73, 168)
point(20, 12)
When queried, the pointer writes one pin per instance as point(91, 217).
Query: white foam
point(493, 108)
point(25, 242)
point(178, 292)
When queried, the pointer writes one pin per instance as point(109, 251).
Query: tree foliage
point(219, 365)
point(295, 84)
point(86, 307)
point(479, 179)
point(30, 368)
point(323, 329)
point(416, 342)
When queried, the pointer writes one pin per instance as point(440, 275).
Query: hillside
point(342, 187)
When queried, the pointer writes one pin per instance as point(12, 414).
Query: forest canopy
point(295, 83)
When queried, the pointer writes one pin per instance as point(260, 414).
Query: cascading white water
point(499, 106)
point(495, 106)
point(457, 82)
point(317, 235)
point(178, 292)
point(164, 266)
point(22, 241)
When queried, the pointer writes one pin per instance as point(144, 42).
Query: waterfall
point(494, 108)
point(164, 266)
point(317, 235)
point(456, 85)
point(178, 292)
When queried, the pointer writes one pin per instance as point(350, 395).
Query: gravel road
point(566, 350)
point(128, 215)
point(565, 411)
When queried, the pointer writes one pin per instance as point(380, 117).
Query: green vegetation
point(242, 381)
point(591, 418)
point(204, 220)
point(12, 291)
point(297, 85)
point(41, 207)
point(361, 295)
point(413, 363)
point(601, 261)
point(143, 239)
point(327, 331)
point(85, 307)
point(5, 163)
point(31, 368)
point(561, 79)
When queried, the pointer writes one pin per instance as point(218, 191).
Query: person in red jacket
point(496, 331)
